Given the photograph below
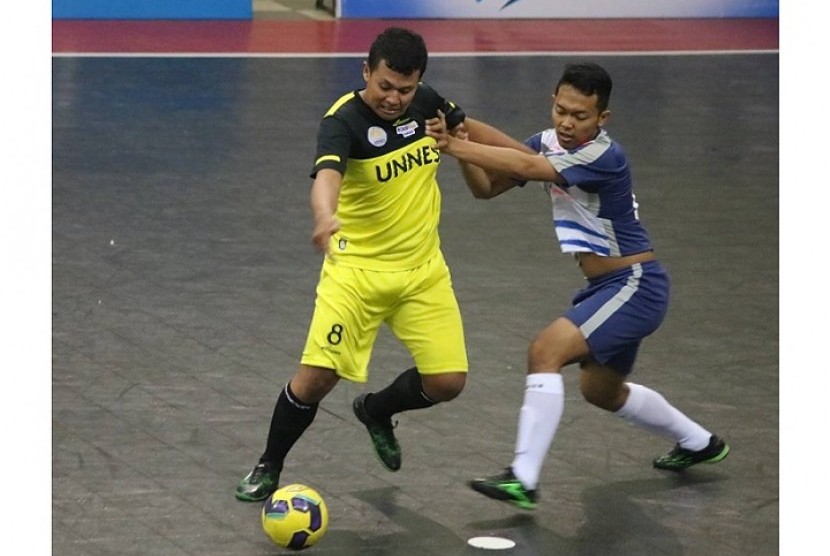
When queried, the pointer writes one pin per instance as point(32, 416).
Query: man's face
point(576, 117)
point(388, 93)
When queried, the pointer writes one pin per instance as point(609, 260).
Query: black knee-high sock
point(288, 423)
point(406, 392)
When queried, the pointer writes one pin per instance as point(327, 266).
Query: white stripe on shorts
point(613, 304)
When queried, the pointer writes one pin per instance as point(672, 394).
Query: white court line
point(431, 54)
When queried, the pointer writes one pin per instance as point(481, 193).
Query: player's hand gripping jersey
point(389, 204)
point(595, 211)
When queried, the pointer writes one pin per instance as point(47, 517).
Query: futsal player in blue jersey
point(587, 176)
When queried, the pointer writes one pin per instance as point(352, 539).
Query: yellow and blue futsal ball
point(295, 517)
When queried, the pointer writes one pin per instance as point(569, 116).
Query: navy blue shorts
point(617, 310)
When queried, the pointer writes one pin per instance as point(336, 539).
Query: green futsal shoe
point(382, 435)
point(507, 488)
point(259, 484)
point(681, 458)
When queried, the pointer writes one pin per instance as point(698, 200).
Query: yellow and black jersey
point(390, 204)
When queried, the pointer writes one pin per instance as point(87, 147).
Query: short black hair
point(588, 79)
point(403, 50)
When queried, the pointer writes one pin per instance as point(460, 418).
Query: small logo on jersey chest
point(376, 136)
point(407, 129)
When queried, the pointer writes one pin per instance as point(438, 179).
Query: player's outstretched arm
point(482, 184)
point(482, 132)
point(478, 181)
point(501, 160)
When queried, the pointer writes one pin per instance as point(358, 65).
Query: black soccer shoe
point(381, 433)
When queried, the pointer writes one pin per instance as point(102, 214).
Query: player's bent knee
point(602, 396)
point(596, 398)
point(444, 387)
point(312, 384)
point(559, 344)
point(542, 355)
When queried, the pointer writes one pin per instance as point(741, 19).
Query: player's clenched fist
point(323, 230)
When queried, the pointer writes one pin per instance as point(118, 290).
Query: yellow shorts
point(418, 305)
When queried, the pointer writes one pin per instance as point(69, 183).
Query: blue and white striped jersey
point(595, 211)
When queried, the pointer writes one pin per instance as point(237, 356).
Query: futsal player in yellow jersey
point(376, 207)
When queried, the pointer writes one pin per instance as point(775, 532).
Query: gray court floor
point(183, 281)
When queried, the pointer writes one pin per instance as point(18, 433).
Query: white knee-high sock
point(650, 410)
point(539, 417)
